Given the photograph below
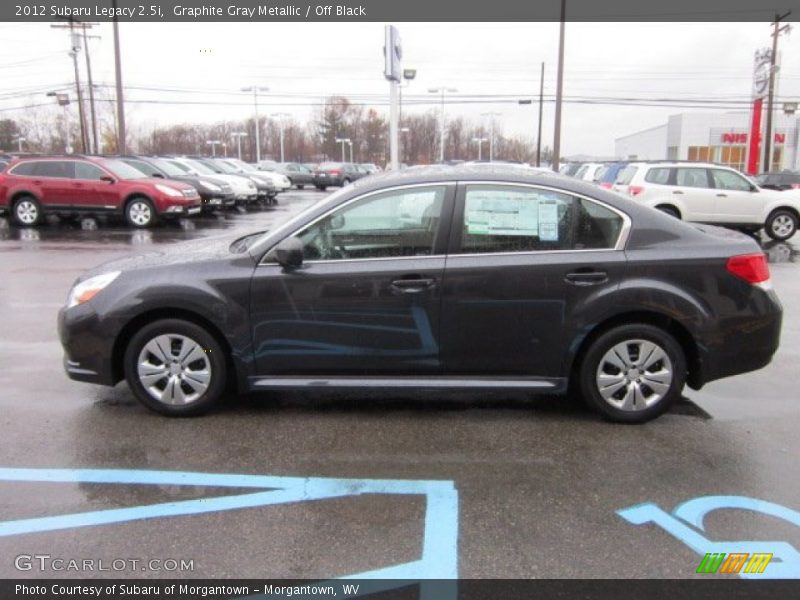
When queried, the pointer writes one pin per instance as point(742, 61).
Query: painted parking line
point(439, 558)
point(685, 523)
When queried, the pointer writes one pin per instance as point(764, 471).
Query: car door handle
point(677, 192)
point(412, 286)
point(586, 277)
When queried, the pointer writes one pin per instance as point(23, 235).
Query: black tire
point(27, 211)
point(781, 224)
point(649, 402)
point(322, 188)
point(300, 186)
point(671, 211)
point(140, 213)
point(346, 181)
point(176, 332)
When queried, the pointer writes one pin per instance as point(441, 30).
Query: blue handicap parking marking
point(685, 523)
point(439, 559)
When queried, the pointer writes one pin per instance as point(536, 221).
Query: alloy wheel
point(782, 226)
point(27, 212)
point(174, 369)
point(140, 213)
point(634, 375)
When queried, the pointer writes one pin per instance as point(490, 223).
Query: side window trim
point(442, 237)
point(454, 245)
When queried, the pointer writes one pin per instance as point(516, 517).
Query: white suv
point(710, 193)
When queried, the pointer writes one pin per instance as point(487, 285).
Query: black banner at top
point(393, 11)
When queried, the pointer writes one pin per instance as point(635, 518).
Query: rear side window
point(513, 219)
point(625, 176)
point(600, 173)
point(581, 172)
point(55, 168)
point(692, 178)
point(24, 169)
point(659, 176)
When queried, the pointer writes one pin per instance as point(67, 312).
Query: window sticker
point(548, 221)
point(502, 213)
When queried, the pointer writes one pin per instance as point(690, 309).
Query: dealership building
point(715, 137)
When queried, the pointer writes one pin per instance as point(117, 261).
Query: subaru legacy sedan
point(442, 277)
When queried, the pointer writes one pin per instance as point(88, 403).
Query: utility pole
point(73, 53)
point(122, 145)
point(777, 29)
point(539, 135)
point(491, 116)
point(559, 91)
point(255, 89)
point(239, 135)
point(442, 90)
point(280, 117)
point(343, 141)
point(84, 26)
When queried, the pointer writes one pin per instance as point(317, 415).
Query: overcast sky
point(302, 63)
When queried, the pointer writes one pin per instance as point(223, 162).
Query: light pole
point(350, 143)
point(442, 90)
point(344, 141)
point(213, 144)
point(408, 76)
point(556, 160)
point(19, 141)
point(491, 116)
point(239, 135)
point(280, 116)
point(255, 89)
point(63, 100)
point(479, 141)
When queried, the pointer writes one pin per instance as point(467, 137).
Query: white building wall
point(650, 144)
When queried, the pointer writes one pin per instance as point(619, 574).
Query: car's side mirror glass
point(289, 253)
point(337, 221)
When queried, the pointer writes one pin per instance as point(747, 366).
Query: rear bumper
point(741, 344)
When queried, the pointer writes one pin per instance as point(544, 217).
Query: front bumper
point(88, 348)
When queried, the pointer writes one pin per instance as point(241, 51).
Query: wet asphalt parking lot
point(479, 486)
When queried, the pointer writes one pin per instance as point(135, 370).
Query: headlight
point(286, 181)
point(209, 186)
point(169, 191)
point(88, 289)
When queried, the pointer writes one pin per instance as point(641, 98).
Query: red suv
point(30, 187)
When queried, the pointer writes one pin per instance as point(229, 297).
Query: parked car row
point(323, 175)
point(143, 189)
point(704, 192)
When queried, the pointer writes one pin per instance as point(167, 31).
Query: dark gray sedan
point(443, 277)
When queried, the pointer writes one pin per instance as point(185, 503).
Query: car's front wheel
point(781, 225)
point(27, 211)
point(175, 367)
point(632, 373)
point(140, 212)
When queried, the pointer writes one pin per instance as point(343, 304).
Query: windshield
point(198, 166)
point(225, 167)
point(122, 170)
point(168, 167)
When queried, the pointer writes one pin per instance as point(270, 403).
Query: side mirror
point(159, 175)
point(337, 222)
point(289, 253)
point(108, 179)
point(753, 188)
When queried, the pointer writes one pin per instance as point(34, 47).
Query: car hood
point(212, 248)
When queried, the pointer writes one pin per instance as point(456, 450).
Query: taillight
point(335, 173)
point(796, 186)
point(635, 190)
point(605, 184)
point(751, 268)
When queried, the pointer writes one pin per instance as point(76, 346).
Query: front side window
point(517, 219)
point(386, 225)
point(121, 170)
point(728, 180)
point(692, 177)
point(86, 171)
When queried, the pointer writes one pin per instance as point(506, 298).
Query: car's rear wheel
point(300, 186)
point(175, 367)
point(139, 212)
point(27, 211)
point(632, 373)
point(781, 225)
point(670, 210)
point(322, 188)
